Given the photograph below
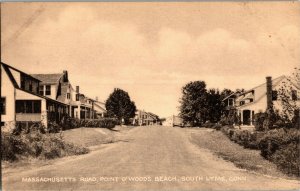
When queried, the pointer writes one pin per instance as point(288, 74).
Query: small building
point(22, 102)
point(145, 118)
point(173, 121)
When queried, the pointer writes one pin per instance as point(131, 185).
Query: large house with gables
point(42, 98)
point(255, 100)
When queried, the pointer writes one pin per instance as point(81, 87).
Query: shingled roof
point(48, 78)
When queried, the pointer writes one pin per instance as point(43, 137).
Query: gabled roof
point(48, 78)
point(6, 66)
point(229, 95)
point(275, 81)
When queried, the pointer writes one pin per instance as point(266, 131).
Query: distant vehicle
point(173, 121)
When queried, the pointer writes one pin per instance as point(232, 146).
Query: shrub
point(101, 123)
point(36, 144)
point(281, 146)
point(217, 127)
point(68, 122)
point(259, 121)
point(208, 124)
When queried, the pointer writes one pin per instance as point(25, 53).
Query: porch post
point(78, 111)
point(251, 117)
point(44, 113)
point(242, 117)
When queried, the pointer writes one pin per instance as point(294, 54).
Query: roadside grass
point(243, 158)
point(87, 137)
point(83, 137)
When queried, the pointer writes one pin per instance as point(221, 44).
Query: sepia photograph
point(150, 96)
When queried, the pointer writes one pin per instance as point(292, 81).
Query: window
point(3, 106)
point(68, 96)
point(251, 100)
point(274, 95)
point(41, 90)
point(242, 102)
point(77, 97)
point(48, 90)
point(294, 95)
point(22, 81)
point(28, 106)
point(230, 102)
point(30, 86)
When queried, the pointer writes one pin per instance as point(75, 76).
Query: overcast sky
point(152, 49)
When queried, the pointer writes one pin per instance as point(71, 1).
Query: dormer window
point(41, 90)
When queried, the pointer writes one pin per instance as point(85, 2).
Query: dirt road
point(144, 158)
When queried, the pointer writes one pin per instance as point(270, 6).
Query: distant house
point(145, 118)
point(99, 108)
point(257, 99)
point(21, 100)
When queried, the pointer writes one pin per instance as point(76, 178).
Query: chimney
point(65, 76)
point(269, 92)
point(77, 89)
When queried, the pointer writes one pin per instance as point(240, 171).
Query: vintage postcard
point(150, 96)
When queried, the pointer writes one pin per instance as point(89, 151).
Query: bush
point(259, 121)
point(281, 146)
point(101, 123)
point(209, 124)
point(217, 127)
point(68, 122)
point(244, 138)
point(36, 144)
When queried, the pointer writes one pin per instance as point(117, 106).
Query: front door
point(246, 117)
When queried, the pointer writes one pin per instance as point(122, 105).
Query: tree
point(119, 105)
point(193, 108)
point(225, 93)
point(214, 105)
point(289, 98)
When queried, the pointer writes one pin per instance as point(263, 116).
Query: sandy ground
point(144, 158)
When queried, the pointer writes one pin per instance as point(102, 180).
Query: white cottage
point(256, 100)
point(21, 101)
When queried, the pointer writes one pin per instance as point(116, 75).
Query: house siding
point(7, 91)
point(259, 103)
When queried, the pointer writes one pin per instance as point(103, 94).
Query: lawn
point(248, 159)
point(89, 136)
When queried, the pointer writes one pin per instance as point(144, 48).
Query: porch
point(246, 117)
point(83, 112)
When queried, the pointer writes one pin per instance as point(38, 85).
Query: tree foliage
point(193, 109)
point(214, 105)
point(119, 105)
point(199, 105)
point(288, 96)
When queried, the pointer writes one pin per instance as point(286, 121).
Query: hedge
point(280, 146)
